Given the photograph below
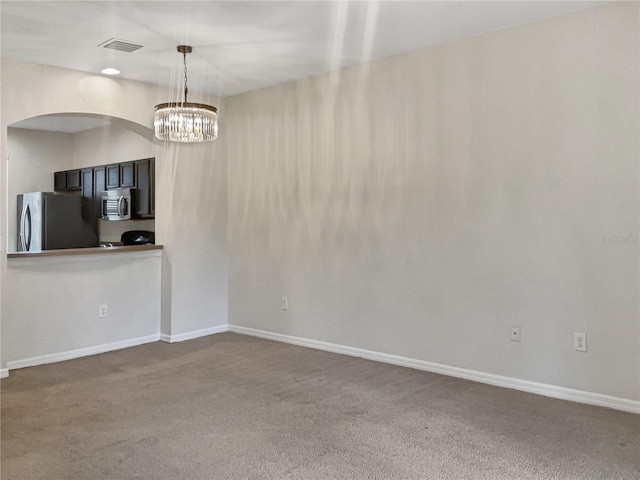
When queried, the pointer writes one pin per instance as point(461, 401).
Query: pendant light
point(185, 121)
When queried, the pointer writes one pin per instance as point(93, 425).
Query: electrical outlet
point(102, 310)
point(515, 334)
point(285, 303)
point(580, 341)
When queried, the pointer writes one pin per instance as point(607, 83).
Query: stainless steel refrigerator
point(47, 221)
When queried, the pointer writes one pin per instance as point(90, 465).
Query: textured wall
point(421, 204)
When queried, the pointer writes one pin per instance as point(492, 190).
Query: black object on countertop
point(138, 237)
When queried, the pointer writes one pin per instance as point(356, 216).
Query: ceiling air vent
point(120, 45)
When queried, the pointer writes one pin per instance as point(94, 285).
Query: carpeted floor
point(235, 407)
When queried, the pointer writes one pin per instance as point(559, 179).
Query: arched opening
point(37, 147)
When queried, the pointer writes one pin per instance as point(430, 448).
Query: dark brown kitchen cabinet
point(87, 192)
point(92, 181)
point(60, 181)
point(113, 176)
point(99, 186)
point(68, 180)
point(127, 175)
point(145, 188)
point(73, 180)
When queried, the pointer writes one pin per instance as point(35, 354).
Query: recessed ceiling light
point(110, 71)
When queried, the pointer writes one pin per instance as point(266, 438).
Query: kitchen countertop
point(85, 251)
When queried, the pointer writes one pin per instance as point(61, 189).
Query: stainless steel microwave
point(117, 204)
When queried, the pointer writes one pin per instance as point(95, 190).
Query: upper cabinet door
point(145, 196)
point(127, 175)
point(113, 176)
point(59, 181)
point(99, 185)
point(73, 180)
point(87, 193)
point(66, 181)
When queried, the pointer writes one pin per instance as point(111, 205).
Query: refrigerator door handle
point(27, 225)
point(23, 216)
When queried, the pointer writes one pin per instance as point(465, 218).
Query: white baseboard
point(553, 391)
point(181, 337)
point(80, 352)
point(107, 347)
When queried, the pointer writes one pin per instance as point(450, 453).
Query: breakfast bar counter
point(85, 251)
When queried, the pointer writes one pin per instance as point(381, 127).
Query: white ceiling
point(242, 46)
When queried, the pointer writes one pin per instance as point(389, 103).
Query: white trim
point(81, 352)
point(553, 391)
point(181, 337)
point(4, 372)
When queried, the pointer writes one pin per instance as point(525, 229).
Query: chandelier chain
point(186, 90)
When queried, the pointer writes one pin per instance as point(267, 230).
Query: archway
point(39, 146)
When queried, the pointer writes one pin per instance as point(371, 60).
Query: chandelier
point(185, 121)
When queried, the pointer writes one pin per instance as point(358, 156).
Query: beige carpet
point(236, 407)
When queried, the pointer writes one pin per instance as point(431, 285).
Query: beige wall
point(422, 204)
point(110, 144)
point(193, 209)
